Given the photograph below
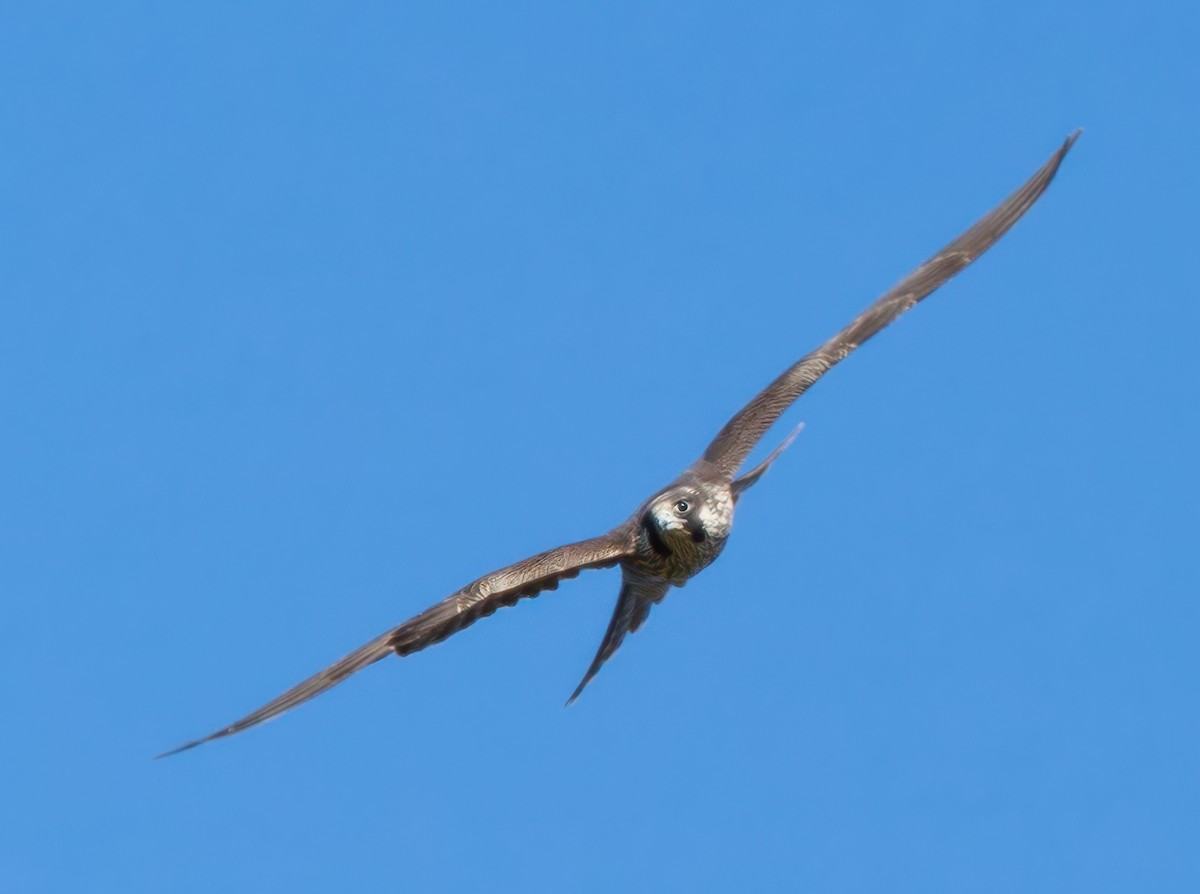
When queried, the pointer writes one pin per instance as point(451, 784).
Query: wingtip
point(1050, 169)
point(195, 743)
point(175, 751)
point(1069, 142)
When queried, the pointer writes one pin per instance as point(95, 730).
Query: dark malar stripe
point(656, 542)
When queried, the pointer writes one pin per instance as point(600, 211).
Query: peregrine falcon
point(683, 527)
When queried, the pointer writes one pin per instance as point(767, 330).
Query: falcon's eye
point(682, 507)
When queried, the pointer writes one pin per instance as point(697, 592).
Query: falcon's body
point(682, 528)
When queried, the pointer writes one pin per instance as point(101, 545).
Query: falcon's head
point(682, 515)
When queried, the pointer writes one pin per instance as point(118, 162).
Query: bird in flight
point(682, 528)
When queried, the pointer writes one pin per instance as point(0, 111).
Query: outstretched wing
point(474, 601)
point(633, 606)
point(733, 444)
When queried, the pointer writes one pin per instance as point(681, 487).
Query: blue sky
point(314, 312)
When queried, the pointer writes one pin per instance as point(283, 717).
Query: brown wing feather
point(477, 600)
point(733, 444)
